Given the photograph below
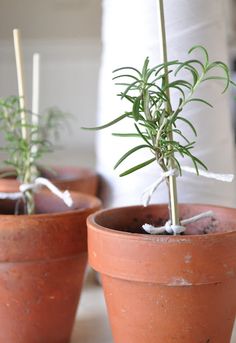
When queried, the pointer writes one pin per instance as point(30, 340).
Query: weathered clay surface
point(166, 288)
point(81, 180)
point(42, 263)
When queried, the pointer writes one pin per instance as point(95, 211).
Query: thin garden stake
point(20, 79)
point(35, 87)
point(29, 197)
point(171, 179)
point(35, 95)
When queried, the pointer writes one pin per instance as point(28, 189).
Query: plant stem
point(174, 212)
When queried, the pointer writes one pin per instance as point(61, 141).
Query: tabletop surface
point(91, 325)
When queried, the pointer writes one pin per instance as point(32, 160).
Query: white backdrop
point(130, 33)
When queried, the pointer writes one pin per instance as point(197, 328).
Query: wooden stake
point(35, 88)
point(20, 79)
point(35, 97)
point(174, 211)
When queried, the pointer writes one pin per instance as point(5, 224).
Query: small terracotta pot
point(77, 179)
point(42, 263)
point(164, 289)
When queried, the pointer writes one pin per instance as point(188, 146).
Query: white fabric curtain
point(129, 34)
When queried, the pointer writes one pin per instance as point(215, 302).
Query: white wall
point(67, 35)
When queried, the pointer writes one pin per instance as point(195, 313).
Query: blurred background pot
point(166, 288)
point(82, 180)
point(42, 263)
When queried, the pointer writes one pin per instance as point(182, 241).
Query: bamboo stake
point(20, 79)
point(35, 95)
point(35, 87)
point(174, 211)
point(29, 197)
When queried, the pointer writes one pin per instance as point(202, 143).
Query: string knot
point(176, 229)
point(148, 192)
point(37, 184)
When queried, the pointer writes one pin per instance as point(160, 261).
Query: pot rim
point(91, 220)
point(91, 201)
point(76, 171)
point(162, 258)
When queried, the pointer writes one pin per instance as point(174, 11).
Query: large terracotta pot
point(82, 180)
point(165, 289)
point(42, 263)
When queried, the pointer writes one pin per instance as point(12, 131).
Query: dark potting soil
point(131, 219)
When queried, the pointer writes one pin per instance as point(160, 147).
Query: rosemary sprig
point(153, 113)
point(52, 122)
point(20, 155)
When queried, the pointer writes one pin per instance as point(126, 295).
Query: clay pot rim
point(92, 202)
point(76, 172)
point(91, 220)
point(159, 258)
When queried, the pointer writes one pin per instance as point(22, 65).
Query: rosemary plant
point(21, 156)
point(52, 122)
point(155, 117)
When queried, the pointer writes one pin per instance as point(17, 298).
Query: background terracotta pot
point(82, 180)
point(42, 263)
point(164, 289)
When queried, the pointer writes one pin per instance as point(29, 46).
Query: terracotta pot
point(42, 263)
point(165, 289)
point(77, 179)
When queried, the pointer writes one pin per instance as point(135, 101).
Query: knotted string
point(175, 229)
point(148, 192)
point(38, 183)
point(210, 175)
point(168, 227)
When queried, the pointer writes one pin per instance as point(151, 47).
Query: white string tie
point(175, 229)
point(10, 196)
point(210, 175)
point(38, 183)
point(148, 192)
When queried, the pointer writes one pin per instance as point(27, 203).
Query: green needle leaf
point(130, 152)
point(136, 106)
point(145, 138)
point(116, 134)
point(127, 114)
point(188, 123)
point(200, 47)
point(128, 68)
point(139, 166)
point(199, 100)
